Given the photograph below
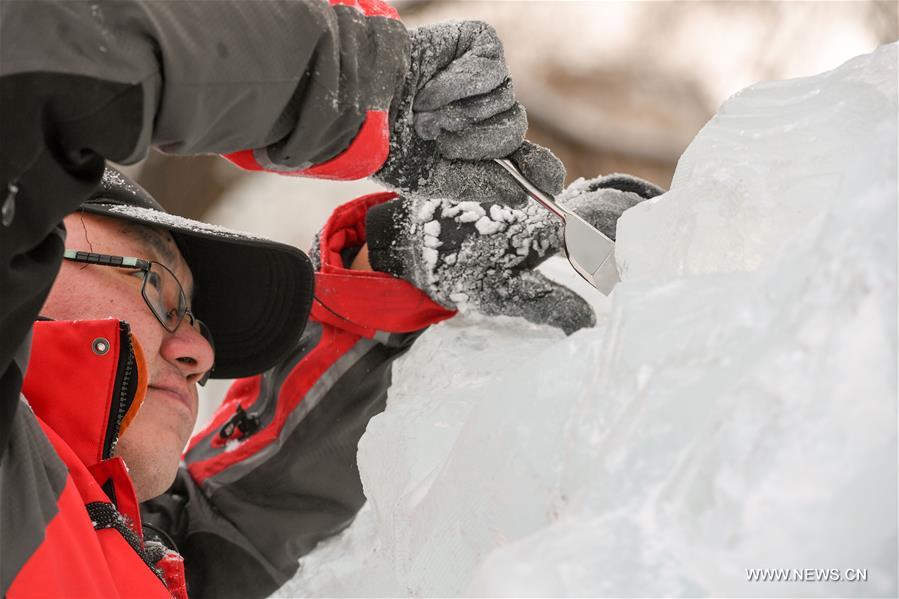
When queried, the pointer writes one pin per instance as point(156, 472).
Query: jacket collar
point(85, 380)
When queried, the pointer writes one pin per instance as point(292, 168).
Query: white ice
point(734, 408)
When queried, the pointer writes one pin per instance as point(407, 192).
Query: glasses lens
point(164, 296)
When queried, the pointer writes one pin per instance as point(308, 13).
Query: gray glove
point(456, 111)
point(472, 256)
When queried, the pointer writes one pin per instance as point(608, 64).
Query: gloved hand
point(481, 257)
point(454, 112)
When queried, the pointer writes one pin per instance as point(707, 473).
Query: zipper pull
point(244, 423)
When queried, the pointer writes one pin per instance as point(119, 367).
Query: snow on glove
point(455, 111)
point(473, 256)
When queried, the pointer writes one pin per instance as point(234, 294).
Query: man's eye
point(153, 279)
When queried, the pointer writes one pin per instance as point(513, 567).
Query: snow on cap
point(254, 294)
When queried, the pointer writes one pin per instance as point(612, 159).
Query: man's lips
point(177, 393)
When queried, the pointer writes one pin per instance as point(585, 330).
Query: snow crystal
point(430, 257)
point(469, 217)
point(735, 409)
point(432, 228)
point(172, 220)
point(501, 213)
point(485, 226)
point(427, 209)
point(464, 212)
point(431, 241)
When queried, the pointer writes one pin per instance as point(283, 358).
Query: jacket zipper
point(123, 391)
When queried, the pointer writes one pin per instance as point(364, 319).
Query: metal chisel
point(590, 252)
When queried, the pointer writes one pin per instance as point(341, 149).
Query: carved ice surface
point(734, 409)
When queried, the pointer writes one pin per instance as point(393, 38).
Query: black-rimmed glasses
point(160, 288)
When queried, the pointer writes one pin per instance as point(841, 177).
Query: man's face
point(152, 444)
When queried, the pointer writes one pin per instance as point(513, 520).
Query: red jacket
point(252, 499)
point(295, 86)
point(92, 546)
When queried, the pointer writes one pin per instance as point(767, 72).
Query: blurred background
point(609, 87)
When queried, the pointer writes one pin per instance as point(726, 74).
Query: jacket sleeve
point(300, 86)
point(275, 470)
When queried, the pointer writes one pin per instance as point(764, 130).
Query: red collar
point(85, 381)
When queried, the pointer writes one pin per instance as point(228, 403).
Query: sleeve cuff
point(365, 155)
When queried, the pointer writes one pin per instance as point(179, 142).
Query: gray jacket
point(85, 81)
point(293, 81)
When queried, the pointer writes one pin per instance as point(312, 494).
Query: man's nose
point(189, 350)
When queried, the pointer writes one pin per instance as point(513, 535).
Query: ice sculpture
point(735, 409)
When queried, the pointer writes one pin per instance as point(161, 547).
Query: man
point(274, 472)
point(336, 90)
point(303, 87)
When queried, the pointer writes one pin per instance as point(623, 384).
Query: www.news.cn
point(807, 574)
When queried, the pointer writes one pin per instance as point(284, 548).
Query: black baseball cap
point(254, 294)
